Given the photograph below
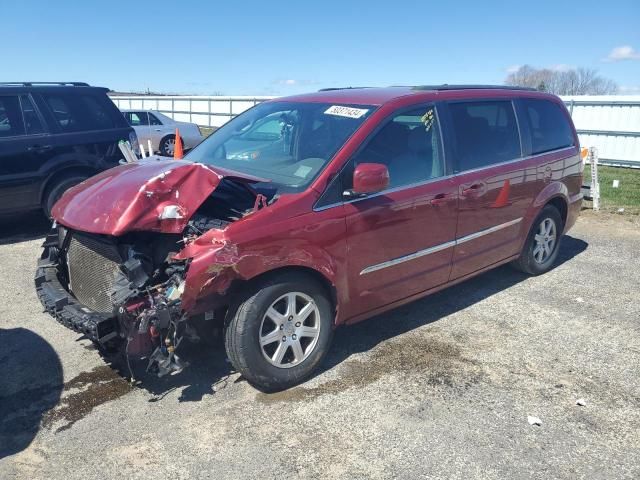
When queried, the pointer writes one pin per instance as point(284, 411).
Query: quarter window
point(76, 113)
point(409, 145)
point(548, 125)
point(10, 117)
point(486, 133)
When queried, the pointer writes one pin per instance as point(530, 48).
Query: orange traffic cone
point(502, 200)
point(177, 147)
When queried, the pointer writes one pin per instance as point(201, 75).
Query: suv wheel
point(541, 247)
point(167, 145)
point(55, 191)
point(280, 334)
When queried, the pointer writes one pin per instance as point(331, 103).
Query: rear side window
point(76, 113)
point(486, 133)
point(10, 117)
point(549, 126)
point(137, 119)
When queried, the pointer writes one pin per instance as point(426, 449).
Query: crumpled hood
point(154, 194)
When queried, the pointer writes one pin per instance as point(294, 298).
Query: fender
point(555, 189)
point(213, 270)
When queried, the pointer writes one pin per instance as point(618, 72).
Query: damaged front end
point(117, 272)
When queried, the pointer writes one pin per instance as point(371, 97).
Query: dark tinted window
point(98, 117)
point(76, 113)
point(549, 126)
point(153, 120)
point(409, 145)
point(32, 121)
point(10, 117)
point(485, 132)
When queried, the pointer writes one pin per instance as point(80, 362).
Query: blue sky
point(282, 47)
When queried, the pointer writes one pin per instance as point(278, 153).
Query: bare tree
point(579, 81)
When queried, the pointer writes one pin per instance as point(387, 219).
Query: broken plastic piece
point(581, 402)
point(534, 420)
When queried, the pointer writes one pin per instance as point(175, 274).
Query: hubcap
point(290, 330)
point(170, 144)
point(545, 240)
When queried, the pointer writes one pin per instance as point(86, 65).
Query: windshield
point(287, 142)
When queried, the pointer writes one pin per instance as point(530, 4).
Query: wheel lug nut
point(297, 324)
point(284, 339)
point(294, 336)
point(281, 327)
point(291, 318)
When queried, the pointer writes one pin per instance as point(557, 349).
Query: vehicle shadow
point(364, 336)
point(30, 385)
point(209, 368)
point(21, 228)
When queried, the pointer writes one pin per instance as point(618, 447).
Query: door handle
point(39, 148)
point(439, 199)
point(473, 189)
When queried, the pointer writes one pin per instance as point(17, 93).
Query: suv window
point(548, 124)
point(75, 113)
point(486, 132)
point(32, 121)
point(10, 117)
point(409, 145)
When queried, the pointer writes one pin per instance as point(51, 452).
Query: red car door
point(400, 241)
point(495, 184)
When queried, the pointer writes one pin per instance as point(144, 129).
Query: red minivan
point(308, 212)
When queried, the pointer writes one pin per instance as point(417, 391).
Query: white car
point(160, 129)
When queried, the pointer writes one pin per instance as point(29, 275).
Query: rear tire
point(55, 191)
point(276, 347)
point(167, 145)
point(543, 243)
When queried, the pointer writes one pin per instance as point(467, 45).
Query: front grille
point(93, 265)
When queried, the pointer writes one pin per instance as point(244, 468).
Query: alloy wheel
point(290, 330)
point(545, 240)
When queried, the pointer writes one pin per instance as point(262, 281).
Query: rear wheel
point(541, 247)
point(55, 191)
point(168, 145)
point(280, 333)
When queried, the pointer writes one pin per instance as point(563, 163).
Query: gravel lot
point(441, 388)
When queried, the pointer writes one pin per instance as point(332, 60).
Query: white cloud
point(562, 67)
point(288, 82)
point(624, 52)
point(513, 68)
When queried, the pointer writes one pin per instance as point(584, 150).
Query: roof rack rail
point(30, 84)
point(331, 89)
point(446, 86)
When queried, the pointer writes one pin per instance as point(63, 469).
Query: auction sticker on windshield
point(348, 112)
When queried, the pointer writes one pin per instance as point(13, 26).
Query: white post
point(142, 153)
point(149, 145)
point(595, 185)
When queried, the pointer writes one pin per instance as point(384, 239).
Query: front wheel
point(279, 334)
point(543, 242)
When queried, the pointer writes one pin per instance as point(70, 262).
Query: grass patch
point(626, 196)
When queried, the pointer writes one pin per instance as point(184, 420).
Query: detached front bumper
point(57, 301)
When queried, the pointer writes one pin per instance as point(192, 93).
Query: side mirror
point(369, 178)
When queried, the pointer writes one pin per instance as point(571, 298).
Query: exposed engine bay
point(130, 286)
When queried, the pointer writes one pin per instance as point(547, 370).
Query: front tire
point(55, 191)
point(279, 334)
point(543, 243)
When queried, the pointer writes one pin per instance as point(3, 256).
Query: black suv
point(53, 136)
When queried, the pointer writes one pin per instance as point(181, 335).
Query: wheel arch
point(59, 175)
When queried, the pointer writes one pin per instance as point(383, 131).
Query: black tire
point(243, 330)
point(55, 191)
point(527, 261)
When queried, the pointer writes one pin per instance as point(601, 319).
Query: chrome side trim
point(438, 248)
point(487, 231)
point(406, 258)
